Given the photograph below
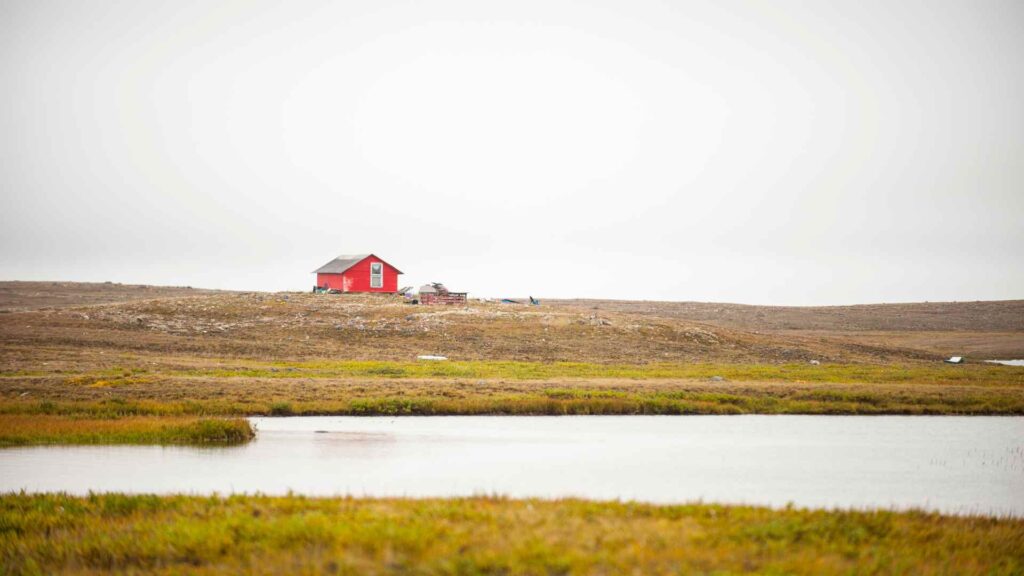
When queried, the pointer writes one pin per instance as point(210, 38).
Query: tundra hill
point(372, 327)
point(21, 296)
point(981, 330)
point(988, 316)
point(191, 355)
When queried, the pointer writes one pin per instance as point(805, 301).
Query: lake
point(949, 464)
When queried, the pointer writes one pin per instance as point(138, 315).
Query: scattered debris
point(699, 336)
point(955, 360)
point(437, 293)
point(429, 357)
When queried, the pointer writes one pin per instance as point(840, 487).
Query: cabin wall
point(329, 281)
point(357, 278)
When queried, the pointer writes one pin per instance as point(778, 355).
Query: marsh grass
point(555, 402)
point(36, 429)
point(53, 534)
point(148, 385)
point(834, 373)
point(244, 396)
point(170, 367)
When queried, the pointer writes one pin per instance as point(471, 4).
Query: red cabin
point(358, 273)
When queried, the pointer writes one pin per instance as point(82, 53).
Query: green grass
point(837, 373)
point(441, 398)
point(58, 534)
point(39, 429)
point(514, 388)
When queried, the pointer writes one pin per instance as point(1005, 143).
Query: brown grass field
point(293, 326)
point(134, 351)
point(985, 330)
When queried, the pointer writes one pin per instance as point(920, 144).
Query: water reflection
point(950, 464)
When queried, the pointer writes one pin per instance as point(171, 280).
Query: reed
point(35, 429)
point(286, 397)
point(975, 374)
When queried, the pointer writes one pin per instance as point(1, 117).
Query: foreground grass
point(48, 534)
point(22, 430)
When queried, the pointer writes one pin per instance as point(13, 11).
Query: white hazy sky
point(761, 152)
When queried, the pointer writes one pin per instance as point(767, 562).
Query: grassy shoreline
point(286, 397)
point(143, 534)
point(141, 369)
point(549, 402)
point(42, 429)
point(150, 385)
point(167, 401)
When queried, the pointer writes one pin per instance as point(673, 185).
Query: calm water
point(950, 464)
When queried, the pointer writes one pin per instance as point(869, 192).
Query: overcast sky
point(758, 152)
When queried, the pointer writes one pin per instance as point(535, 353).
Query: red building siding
point(357, 278)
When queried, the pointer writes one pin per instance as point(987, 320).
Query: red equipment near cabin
point(358, 273)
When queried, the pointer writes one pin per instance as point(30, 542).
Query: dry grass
point(56, 534)
point(143, 370)
point(35, 429)
point(980, 330)
point(21, 296)
point(242, 353)
point(133, 394)
point(152, 384)
point(307, 326)
point(935, 317)
point(101, 382)
point(138, 369)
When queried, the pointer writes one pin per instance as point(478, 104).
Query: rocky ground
point(979, 330)
point(24, 296)
point(242, 353)
point(303, 326)
point(987, 316)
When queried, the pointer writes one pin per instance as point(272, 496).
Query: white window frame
point(377, 280)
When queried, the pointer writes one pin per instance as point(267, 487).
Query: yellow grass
point(57, 534)
point(59, 380)
point(22, 429)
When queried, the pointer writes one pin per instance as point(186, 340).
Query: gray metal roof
point(341, 263)
point(344, 262)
